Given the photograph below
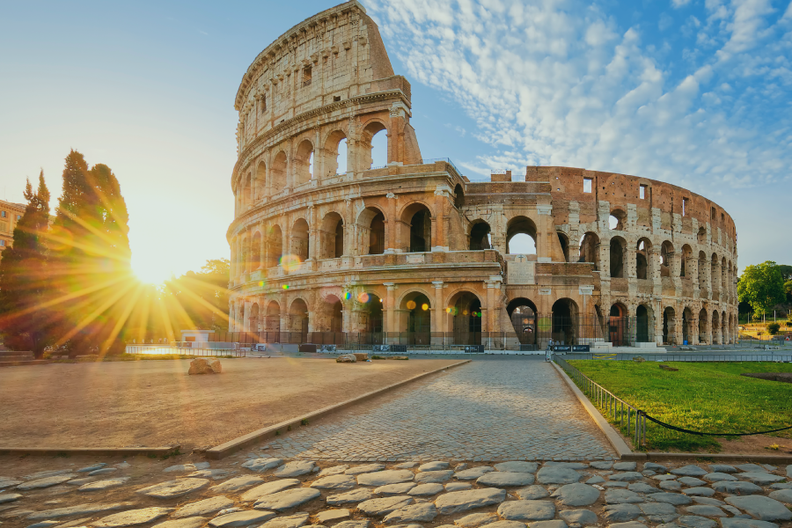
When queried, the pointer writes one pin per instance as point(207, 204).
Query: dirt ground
point(155, 403)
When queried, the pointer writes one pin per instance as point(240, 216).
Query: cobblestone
point(515, 409)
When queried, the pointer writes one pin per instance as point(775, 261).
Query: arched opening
point(521, 236)
point(247, 195)
point(303, 163)
point(669, 326)
point(686, 265)
point(273, 322)
point(278, 172)
point(701, 237)
point(417, 311)
point(618, 247)
point(298, 321)
point(253, 320)
point(716, 329)
point(522, 313)
point(564, 241)
point(336, 154)
point(642, 259)
point(255, 257)
point(687, 326)
point(261, 181)
point(332, 317)
point(643, 324)
point(332, 236)
point(459, 197)
point(617, 220)
point(666, 258)
point(465, 310)
point(373, 318)
point(724, 275)
point(589, 249)
point(702, 270)
point(702, 327)
point(300, 241)
point(618, 329)
point(371, 231)
point(418, 221)
point(714, 273)
point(565, 322)
point(275, 246)
point(374, 146)
point(480, 236)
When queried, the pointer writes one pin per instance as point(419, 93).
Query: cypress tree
point(91, 259)
point(24, 279)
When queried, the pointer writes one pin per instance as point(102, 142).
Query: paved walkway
point(487, 410)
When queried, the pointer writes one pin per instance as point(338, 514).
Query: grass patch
point(709, 397)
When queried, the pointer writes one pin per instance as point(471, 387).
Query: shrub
point(773, 328)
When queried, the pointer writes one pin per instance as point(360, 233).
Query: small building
point(10, 214)
point(196, 338)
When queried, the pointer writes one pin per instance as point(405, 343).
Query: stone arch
point(716, 328)
point(332, 236)
point(564, 241)
point(703, 327)
point(253, 319)
point(644, 323)
point(278, 172)
point(367, 151)
point(669, 326)
point(247, 193)
point(274, 246)
point(303, 162)
point(298, 319)
point(519, 230)
point(666, 259)
point(273, 318)
point(701, 236)
point(261, 181)
point(715, 272)
point(589, 249)
point(618, 251)
point(617, 221)
point(416, 220)
point(464, 309)
point(416, 317)
point(329, 315)
point(686, 263)
point(300, 240)
point(687, 325)
point(336, 145)
point(371, 231)
point(524, 319)
point(255, 257)
point(459, 196)
point(643, 268)
point(565, 321)
point(618, 324)
point(371, 311)
point(480, 235)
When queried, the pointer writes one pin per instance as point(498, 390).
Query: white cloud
point(679, 3)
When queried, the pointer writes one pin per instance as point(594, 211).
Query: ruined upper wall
point(333, 56)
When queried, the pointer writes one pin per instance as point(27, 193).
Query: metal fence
point(175, 349)
point(629, 418)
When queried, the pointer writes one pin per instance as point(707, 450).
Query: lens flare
point(363, 297)
point(411, 305)
point(290, 263)
point(424, 307)
point(285, 286)
point(347, 295)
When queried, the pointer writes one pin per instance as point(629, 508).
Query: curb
point(613, 437)
point(230, 447)
point(98, 451)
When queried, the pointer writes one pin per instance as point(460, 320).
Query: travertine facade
point(10, 213)
point(416, 247)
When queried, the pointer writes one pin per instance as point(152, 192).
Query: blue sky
point(693, 92)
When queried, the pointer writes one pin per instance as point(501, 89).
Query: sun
point(150, 271)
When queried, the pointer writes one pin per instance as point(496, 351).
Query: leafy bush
point(773, 328)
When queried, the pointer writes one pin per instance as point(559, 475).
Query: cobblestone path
point(487, 410)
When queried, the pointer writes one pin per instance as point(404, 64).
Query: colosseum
point(327, 248)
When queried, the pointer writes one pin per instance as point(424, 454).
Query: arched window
point(298, 321)
point(417, 310)
point(278, 172)
point(465, 310)
point(374, 146)
point(685, 265)
point(702, 235)
point(273, 321)
point(564, 241)
point(303, 163)
point(459, 197)
point(644, 328)
point(275, 246)
point(480, 236)
point(589, 249)
point(253, 320)
point(418, 220)
point(521, 236)
point(336, 154)
point(332, 236)
point(522, 313)
point(666, 258)
point(300, 241)
point(617, 220)
point(703, 323)
point(371, 229)
point(565, 322)
point(642, 259)
point(260, 187)
point(618, 248)
point(255, 257)
point(618, 325)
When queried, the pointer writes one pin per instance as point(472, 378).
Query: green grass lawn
point(709, 397)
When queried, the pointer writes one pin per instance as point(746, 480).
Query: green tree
point(761, 286)
point(200, 299)
point(24, 285)
point(91, 259)
point(786, 271)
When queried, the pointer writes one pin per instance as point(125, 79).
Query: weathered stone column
point(390, 308)
point(391, 225)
